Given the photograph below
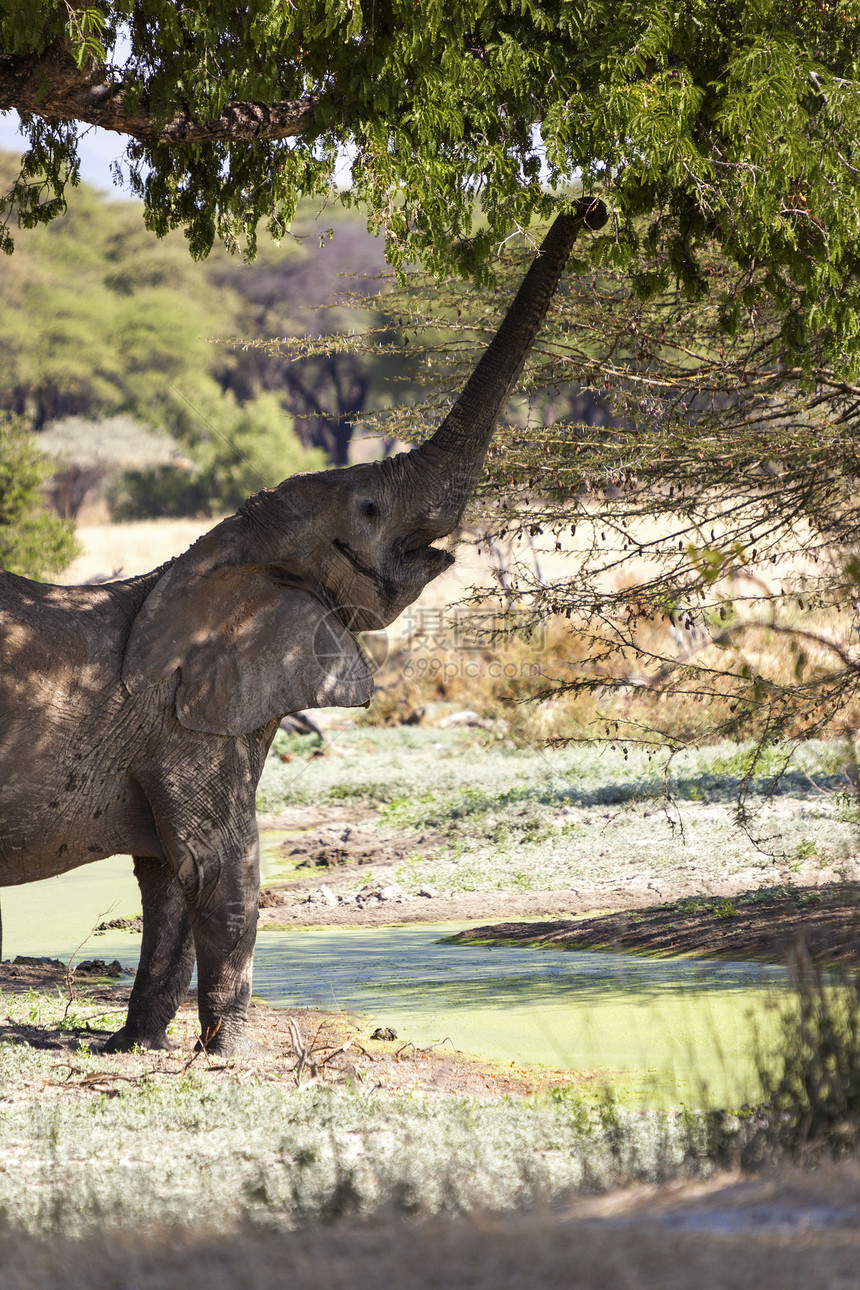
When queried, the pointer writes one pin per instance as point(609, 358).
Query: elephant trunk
point(448, 465)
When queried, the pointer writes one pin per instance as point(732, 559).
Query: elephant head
point(257, 617)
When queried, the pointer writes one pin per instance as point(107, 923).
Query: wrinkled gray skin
point(135, 716)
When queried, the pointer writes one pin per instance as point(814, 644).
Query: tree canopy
point(730, 124)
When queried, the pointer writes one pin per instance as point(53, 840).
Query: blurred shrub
point(244, 449)
point(813, 1088)
point(33, 540)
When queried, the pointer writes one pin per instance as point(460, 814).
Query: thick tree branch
point(51, 85)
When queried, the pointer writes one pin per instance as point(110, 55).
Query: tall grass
point(812, 1084)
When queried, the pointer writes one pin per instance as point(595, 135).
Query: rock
point(465, 718)
point(98, 967)
point(134, 924)
point(427, 890)
point(367, 897)
point(269, 898)
point(299, 723)
point(26, 961)
point(469, 718)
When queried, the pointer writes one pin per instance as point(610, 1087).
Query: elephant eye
point(369, 510)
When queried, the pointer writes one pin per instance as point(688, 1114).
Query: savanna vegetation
point(94, 288)
point(33, 539)
point(685, 438)
point(328, 1124)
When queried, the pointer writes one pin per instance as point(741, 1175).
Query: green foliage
point(239, 451)
point(99, 318)
point(33, 541)
point(732, 124)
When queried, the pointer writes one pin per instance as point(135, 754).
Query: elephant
point(136, 715)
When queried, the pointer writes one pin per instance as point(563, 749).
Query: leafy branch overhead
point(732, 124)
point(672, 513)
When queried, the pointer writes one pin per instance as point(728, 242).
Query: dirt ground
point(293, 1047)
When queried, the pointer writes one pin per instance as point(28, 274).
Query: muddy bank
point(823, 922)
point(293, 909)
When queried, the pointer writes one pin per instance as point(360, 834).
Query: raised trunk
point(447, 467)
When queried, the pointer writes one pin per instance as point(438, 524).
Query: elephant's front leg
point(166, 960)
point(221, 882)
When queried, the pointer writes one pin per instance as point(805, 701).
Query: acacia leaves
point(730, 124)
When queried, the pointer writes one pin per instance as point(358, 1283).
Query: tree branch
point(50, 84)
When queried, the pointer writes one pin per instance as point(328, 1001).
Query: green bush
point(240, 450)
point(33, 541)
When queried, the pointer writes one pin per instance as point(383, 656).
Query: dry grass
point(724, 1235)
point(573, 681)
point(128, 549)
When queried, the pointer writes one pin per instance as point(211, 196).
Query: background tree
point(99, 319)
point(33, 541)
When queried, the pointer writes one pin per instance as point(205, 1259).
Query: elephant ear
point(248, 649)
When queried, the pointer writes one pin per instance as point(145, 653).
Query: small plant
point(724, 909)
point(814, 1092)
point(692, 905)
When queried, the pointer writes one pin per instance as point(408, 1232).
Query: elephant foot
point(125, 1040)
point(227, 1041)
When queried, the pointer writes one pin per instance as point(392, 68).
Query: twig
point(69, 976)
point(306, 1054)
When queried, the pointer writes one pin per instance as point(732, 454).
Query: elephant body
point(135, 716)
point(88, 770)
point(60, 709)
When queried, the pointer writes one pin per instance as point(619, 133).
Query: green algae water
point(660, 1030)
point(53, 917)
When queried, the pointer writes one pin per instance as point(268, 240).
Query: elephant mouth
point(384, 586)
point(420, 563)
